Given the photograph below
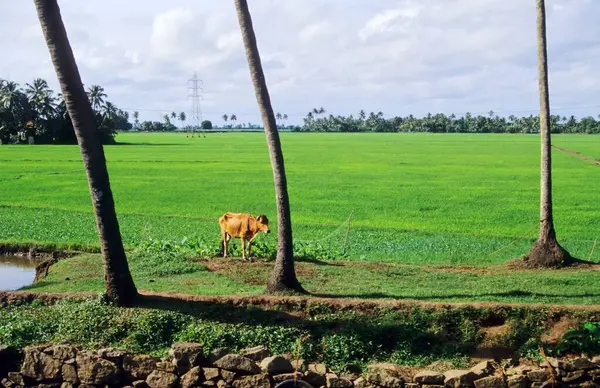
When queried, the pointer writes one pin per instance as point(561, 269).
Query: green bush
point(583, 339)
point(415, 336)
point(212, 248)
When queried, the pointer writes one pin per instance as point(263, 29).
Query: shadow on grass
point(150, 144)
point(469, 297)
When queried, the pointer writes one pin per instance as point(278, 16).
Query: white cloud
point(390, 20)
point(397, 56)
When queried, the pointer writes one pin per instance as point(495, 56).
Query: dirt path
point(578, 155)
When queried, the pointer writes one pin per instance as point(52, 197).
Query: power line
point(196, 88)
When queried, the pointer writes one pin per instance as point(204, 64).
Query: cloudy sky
point(397, 56)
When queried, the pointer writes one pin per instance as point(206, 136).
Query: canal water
point(15, 272)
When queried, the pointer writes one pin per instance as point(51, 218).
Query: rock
point(94, 370)
point(166, 367)
point(583, 364)
point(69, 374)
point(192, 378)
point(140, 384)
point(573, 377)
point(256, 353)
point(49, 385)
point(559, 365)
point(160, 379)
point(318, 368)
point(429, 377)
point(483, 369)
point(388, 369)
point(333, 381)
point(186, 355)
point(256, 381)
point(61, 352)
point(67, 385)
point(228, 376)
point(276, 365)
point(16, 378)
point(459, 378)
point(520, 370)
point(110, 354)
point(209, 384)
point(361, 383)
point(383, 380)
point(288, 376)
point(314, 378)
point(298, 365)
point(40, 366)
point(538, 376)
point(596, 360)
point(210, 373)
point(415, 385)
point(589, 384)
point(138, 367)
point(237, 363)
point(217, 354)
point(490, 382)
point(222, 384)
point(6, 383)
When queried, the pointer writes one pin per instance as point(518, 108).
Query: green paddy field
point(409, 201)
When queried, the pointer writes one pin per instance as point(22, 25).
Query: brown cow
point(242, 225)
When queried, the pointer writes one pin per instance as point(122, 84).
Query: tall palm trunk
point(119, 283)
point(546, 251)
point(283, 277)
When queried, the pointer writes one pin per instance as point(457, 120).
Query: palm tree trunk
point(283, 278)
point(546, 251)
point(119, 283)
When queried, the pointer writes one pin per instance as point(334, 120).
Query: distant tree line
point(35, 114)
point(317, 121)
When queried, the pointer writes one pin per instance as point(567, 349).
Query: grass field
point(418, 203)
point(414, 198)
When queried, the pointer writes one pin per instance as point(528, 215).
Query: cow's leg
point(249, 245)
point(226, 238)
point(243, 250)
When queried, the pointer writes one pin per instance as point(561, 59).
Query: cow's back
point(235, 224)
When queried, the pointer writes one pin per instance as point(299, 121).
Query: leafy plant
point(583, 339)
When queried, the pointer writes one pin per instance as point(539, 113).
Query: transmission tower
point(195, 88)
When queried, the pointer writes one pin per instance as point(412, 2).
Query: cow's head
point(263, 223)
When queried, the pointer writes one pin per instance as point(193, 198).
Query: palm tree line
point(37, 113)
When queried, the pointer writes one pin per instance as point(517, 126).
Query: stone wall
point(187, 366)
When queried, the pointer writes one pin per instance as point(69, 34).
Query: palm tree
point(109, 111)
point(182, 118)
point(285, 118)
point(546, 251)
point(278, 116)
point(10, 95)
point(233, 118)
point(96, 95)
point(136, 118)
point(173, 115)
point(224, 117)
point(167, 118)
point(283, 277)
point(118, 281)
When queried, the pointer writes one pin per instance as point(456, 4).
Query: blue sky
point(399, 57)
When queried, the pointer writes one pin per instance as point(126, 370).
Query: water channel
point(15, 272)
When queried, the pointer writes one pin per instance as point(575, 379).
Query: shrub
point(583, 339)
